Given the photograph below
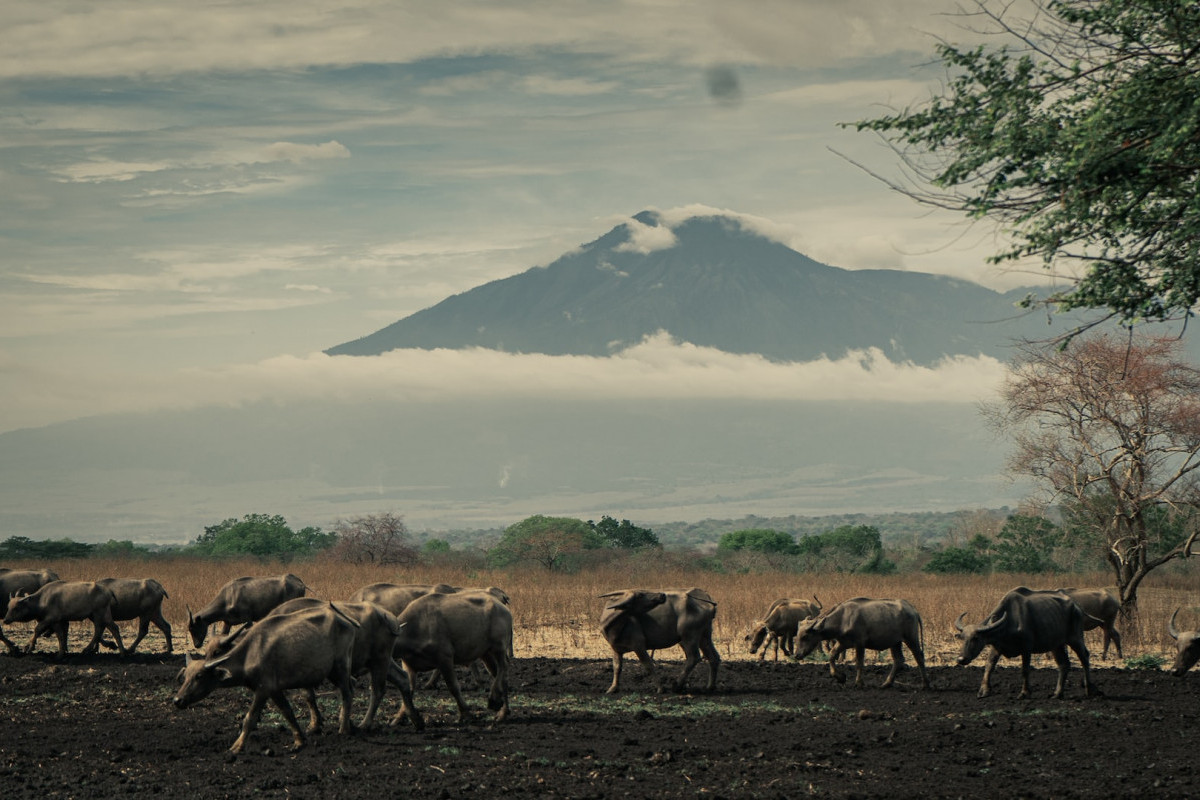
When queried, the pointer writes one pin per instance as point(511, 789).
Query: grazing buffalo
point(140, 599)
point(374, 641)
point(1025, 622)
point(639, 621)
point(20, 581)
point(1100, 610)
point(1187, 647)
point(780, 625)
point(243, 600)
point(300, 650)
point(866, 624)
point(440, 630)
point(57, 604)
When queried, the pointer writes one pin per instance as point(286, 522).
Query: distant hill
point(719, 285)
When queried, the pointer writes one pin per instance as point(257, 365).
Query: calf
point(290, 651)
point(866, 624)
point(140, 599)
point(58, 603)
point(20, 581)
point(639, 621)
point(780, 625)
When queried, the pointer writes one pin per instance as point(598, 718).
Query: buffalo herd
point(272, 638)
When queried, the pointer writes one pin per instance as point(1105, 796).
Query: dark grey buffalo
point(637, 621)
point(300, 650)
point(57, 604)
point(243, 600)
point(780, 625)
point(863, 623)
point(395, 597)
point(140, 599)
point(20, 581)
point(374, 641)
point(1100, 610)
point(444, 629)
point(1025, 622)
point(1187, 647)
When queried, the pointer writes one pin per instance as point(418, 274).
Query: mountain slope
point(719, 285)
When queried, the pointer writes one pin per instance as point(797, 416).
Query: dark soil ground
point(103, 726)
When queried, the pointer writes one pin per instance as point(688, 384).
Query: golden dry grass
point(557, 614)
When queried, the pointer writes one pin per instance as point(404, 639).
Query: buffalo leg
point(985, 688)
point(1085, 661)
point(379, 676)
point(1025, 677)
point(281, 702)
point(161, 623)
point(399, 679)
point(497, 665)
point(919, 656)
point(13, 647)
point(464, 712)
point(1064, 665)
point(897, 660)
point(407, 709)
point(1111, 634)
point(714, 660)
point(692, 658)
point(344, 680)
point(618, 663)
point(834, 655)
point(859, 654)
point(250, 722)
point(107, 622)
point(314, 713)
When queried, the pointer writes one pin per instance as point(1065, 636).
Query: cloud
point(645, 238)
point(99, 170)
point(659, 367)
point(291, 151)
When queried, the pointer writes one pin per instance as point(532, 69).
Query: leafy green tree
point(957, 560)
point(1026, 544)
point(1077, 132)
point(847, 548)
point(435, 547)
point(261, 535)
point(123, 548)
point(624, 534)
point(553, 542)
point(759, 540)
point(24, 547)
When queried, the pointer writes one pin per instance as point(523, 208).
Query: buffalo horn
point(958, 624)
point(818, 602)
point(1171, 629)
point(994, 624)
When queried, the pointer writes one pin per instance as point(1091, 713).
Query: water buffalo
point(56, 604)
point(1025, 622)
point(1100, 610)
point(140, 599)
point(20, 581)
point(638, 621)
point(866, 624)
point(243, 600)
point(780, 624)
point(374, 641)
point(1187, 647)
point(300, 650)
point(441, 630)
point(395, 597)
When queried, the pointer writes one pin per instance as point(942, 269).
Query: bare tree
point(374, 539)
point(1111, 429)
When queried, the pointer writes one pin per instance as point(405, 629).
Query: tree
point(374, 539)
point(1113, 429)
point(1080, 136)
point(1026, 544)
point(553, 542)
point(624, 534)
point(261, 535)
point(847, 548)
point(957, 560)
point(760, 540)
point(24, 547)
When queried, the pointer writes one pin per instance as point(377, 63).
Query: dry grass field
point(556, 615)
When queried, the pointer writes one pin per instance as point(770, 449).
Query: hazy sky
point(199, 197)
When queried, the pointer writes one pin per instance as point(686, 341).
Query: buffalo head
point(975, 637)
point(1187, 647)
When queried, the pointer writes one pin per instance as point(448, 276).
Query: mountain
point(717, 284)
